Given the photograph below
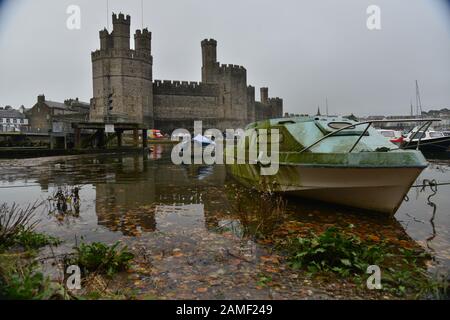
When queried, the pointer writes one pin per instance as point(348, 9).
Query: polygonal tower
point(122, 78)
point(210, 66)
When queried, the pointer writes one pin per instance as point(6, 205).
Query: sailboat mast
point(418, 100)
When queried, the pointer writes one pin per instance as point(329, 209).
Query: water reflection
point(134, 196)
point(425, 213)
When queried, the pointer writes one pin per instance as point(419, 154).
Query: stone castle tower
point(122, 78)
point(124, 90)
point(231, 80)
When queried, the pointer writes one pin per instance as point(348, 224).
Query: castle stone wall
point(122, 78)
point(178, 103)
point(176, 107)
point(124, 90)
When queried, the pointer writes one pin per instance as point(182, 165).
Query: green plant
point(17, 228)
point(33, 240)
point(101, 258)
point(439, 287)
point(263, 280)
point(413, 279)
point(334, 251)
point(14, 221)
point(404, 272)
point(22, 281)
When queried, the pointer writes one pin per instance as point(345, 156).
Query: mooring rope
point(432, 185)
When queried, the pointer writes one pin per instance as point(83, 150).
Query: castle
point(124, 90)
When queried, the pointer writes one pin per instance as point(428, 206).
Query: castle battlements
point(174, 87)
point(275, 99)
point(232, 68)
point(209, 42)
point(104, 33)
point(121, 19)
point(277, 105)
point(143, 41)
point(176, 83)
point(116, 44)
point(143, 33)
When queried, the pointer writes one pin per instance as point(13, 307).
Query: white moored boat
point(335, 160)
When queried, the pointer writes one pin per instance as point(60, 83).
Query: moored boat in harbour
point(332, 159)
point(427, 140)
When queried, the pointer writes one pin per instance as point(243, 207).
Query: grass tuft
point(100, 258)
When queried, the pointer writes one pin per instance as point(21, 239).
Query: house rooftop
point(56, 105)
point(73, 105)
point(11, 113)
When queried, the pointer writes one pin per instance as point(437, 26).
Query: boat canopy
point(298, 133)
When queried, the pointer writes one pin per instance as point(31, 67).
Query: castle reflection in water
point(131, 191)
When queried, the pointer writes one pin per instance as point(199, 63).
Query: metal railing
point(426, 125)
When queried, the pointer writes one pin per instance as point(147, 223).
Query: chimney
point(41, 98)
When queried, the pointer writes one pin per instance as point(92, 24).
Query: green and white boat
point(332, 159)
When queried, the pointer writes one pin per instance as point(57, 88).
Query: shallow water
point(132, 197)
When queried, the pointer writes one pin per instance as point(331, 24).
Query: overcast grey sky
point(304, 51)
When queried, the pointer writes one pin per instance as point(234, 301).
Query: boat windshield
point(419, 135)
point(436, 134)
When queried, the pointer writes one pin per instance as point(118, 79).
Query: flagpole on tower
point(142, 13)
point(107, 14)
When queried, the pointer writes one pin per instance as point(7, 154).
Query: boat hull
point(380, 189)
point(441, 144)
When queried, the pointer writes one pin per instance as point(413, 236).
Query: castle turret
point(122, 78)
point(276, 107)
point(209, 57)
point(264, 95)
point(251, 104)
point(121, 31)
point(143, 41)
point(105, 40)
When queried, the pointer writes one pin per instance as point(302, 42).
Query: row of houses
point(44, 117)
point(12, 119)
point(56, 117)
point(443, 115)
